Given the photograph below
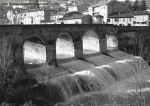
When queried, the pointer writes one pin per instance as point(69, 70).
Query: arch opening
point(34, 51)
point(64, 47)
point(91, 43)
point(112, 41)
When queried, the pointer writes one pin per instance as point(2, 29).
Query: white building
point(10, 15)
point(34, 16)
point(106, 8)
point(136, 18)
point(141, 18)
point(121, 20)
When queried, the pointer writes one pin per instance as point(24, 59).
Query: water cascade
point(98, 78)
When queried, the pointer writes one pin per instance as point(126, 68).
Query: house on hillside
point(136, 18)
point(78, 8)
point(126, 19)
point(79, 18)
point(73, 19)
point(106, 8)
point(63, 4)
point(33, 16)
point(57, 16)
point(141, 18)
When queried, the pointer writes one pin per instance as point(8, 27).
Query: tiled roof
point(126, 15)
point(140, 13)
point(59, 13)
point(82, 7)
point(131, 14)
point(34, 10)
point(100, 3)
point(74, 16)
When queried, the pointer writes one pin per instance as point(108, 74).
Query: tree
point(135, 6)
point(143, 5)
point(128, 5)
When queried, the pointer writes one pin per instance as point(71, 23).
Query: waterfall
point(98, 78)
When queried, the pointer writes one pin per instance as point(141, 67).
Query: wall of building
point(104, 12)
point(141, 20)
point(122, 21)
point(72, 8)
point(90, 9)
point(72, 21)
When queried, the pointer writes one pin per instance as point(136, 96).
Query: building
point(126, 19)
point(141, 18)
point(72, 18)
point(136, 18)
point(34, 16)
point(79, 7)
point(63, 4)
point(10, 15)
point(106, 8)
point(85, 12)
point(54, 18)
point(31, 4)
point(79, 18)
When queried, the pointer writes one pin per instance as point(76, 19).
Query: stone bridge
point(48, 35)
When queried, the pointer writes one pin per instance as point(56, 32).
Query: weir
point(98, 78)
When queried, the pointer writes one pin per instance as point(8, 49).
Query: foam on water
point(99, 78)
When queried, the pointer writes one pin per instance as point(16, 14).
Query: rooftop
point(130, 15)
point(103, 3)
point(74, 16)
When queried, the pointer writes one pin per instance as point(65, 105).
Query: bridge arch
point(36, 39)
point(64, 46)
point(34, 50)
point(112, 40)
point(91, 42)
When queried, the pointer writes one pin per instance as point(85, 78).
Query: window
point(31, 20)
point(143, 22)
point(108, 20)
point(116, 20)
point(76, 22)
point(123, 19)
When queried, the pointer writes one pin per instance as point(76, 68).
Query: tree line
point(137, 5)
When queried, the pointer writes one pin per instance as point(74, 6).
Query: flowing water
point(98, 78)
